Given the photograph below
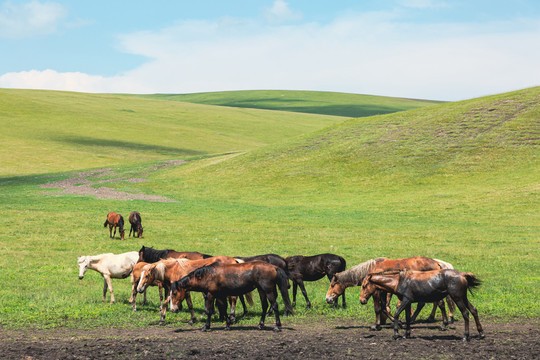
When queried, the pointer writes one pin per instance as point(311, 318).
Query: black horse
point(220, 281)
point(311, 268)
point(151, 255)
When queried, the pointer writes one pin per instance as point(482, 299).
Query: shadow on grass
point(127, 145)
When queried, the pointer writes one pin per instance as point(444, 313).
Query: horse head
point(335, 290)
point(140, 231)
point(147, 277)
point(178, 294)
point(83, 265)
point(368, 288)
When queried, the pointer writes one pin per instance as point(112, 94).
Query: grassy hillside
point(456, 181)
point(57, 131)
point(314, 102)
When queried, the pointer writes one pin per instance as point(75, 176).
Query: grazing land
point(453, 181)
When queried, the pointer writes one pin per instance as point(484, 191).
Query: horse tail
point(249, 298)
point(472, 281)
point(343, 264)
point(282, 282)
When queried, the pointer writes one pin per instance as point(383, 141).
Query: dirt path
point(319, 339)
point(86, 183)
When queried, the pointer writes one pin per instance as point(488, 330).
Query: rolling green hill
point(314, 102)
point(57, 131)
point(454, 181)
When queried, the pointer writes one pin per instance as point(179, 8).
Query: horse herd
point(223, 280)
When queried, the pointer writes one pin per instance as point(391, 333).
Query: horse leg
point(264, 304)
point(444, 317)
point(304, 292)
point(294, 289)
point(110, 231)
point(419, 308)
point(232, 314)
point(408, 321)
point(378, 305)
point(404, 303)
point(130, 230)
point(243, 305)
point(451, 309)
point(431, 317)
point(474, 312)
point(272, 296)
point(105, 286)
point(209, 309)
point(343, 300)
point(144, 297)
point(133, 299)
point(108, 284)
point(163, 308)
point(465, 313)
point(190, 307)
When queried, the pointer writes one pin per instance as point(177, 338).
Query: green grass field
point(454, 181)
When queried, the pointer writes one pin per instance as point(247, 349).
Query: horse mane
point(444, 264)
point(182, 262)
point(203, 271)
point(152, 255)
point(357, 273)
point(121, 223)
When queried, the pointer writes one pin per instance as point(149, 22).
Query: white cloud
point(29, 19)
point(281, 12)
point(361, 53)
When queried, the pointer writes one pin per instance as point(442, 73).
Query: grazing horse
point(220, 281)
point(169, 270)
point(151, 255)
point(311, 268)
point(109, 266)
point(425, 286)
point(138, 269)
point(115, 220)
point(355, 275)
point(135, 221)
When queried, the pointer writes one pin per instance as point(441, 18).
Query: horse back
point(418, 263)
point(134, 218)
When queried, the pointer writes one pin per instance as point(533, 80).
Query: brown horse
point(220, 281)
point(311, 268)
point(169, 270)
point(135, 221)
point(424, 286)
point(151, 255)
point(135, 277)
point(115, 220)
point(355, 275)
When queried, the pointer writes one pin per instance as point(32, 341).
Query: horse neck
point(355, 275)
point(388, 283)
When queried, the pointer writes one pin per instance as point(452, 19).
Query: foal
point(115, 220)
point(425, 286)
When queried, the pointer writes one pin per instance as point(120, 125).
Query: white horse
point(109, 265)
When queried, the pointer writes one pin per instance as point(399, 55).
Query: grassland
point(455, 181)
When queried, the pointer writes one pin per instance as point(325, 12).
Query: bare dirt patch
point(320, 338)
point(87, 183)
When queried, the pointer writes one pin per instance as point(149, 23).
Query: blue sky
point(431, 49)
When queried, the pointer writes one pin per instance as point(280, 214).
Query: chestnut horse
point(311, 268)
point(135, 221)
point(151, 255)
point(138, 269)
point(220, 281)
point(115, 220)
point(355, 275)
point(424, 286)
point(169, 270)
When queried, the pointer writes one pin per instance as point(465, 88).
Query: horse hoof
point(260, 326)
point(442, 328)
point(481, 336)
point(397, 337)
point(375, 328)
point(466, 339)
point(205, 329)
point(276, 329)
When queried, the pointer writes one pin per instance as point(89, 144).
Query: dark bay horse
point(424, 286)
point(115, 220)
point(311, 268)
point(151, 255)
point(169, 270)
point(355, 275)
point(220, 281)
point(136, 226)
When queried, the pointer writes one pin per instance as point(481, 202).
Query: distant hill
point(313, 102)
